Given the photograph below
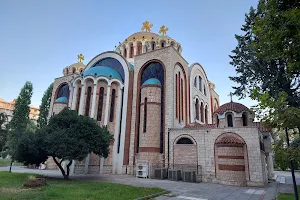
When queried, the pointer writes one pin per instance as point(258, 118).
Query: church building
point(162, 111)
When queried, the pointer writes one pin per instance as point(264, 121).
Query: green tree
point(20, 119)
point(3, 130)
point(44, 107)
point(69, 136)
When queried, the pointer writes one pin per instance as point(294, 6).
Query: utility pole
point(292, 166)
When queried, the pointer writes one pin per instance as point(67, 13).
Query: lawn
point(285, 196)
point(6, 162)
point(11, 187)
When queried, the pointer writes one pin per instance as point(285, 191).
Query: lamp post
point(292, 166)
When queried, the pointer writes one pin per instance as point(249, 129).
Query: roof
point(102, 71)
point(231, 106)
point(152, 81)
point(229, 139)
point(61, 100)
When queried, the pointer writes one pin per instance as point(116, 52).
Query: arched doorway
point(185, 153)
point(231, 160)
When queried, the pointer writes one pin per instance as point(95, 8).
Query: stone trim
point(232, 167)
point(149, 149)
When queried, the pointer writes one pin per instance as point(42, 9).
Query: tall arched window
point(202, 112)
point(182, 99)
point(204, 90)
point(245, 119)
point(145, 116)
point(217, 121)
point(139, 48)
point(176, 96)
point(73, 70)
point(125, 52)
point(78, 98)
point(195, 82)
point(162, 44)
point(206, 115)
point(229, 120)
point(112, 105)
point(153, 45)
point(131, 51)
point(100, 104)
point(197, 109)
point(200, 83)
point(88, 101)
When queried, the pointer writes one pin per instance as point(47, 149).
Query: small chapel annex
point(163, 111)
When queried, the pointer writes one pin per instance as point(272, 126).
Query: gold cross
point(230, 94)
point(146, 26)
point(163, 30)
point(80, 58)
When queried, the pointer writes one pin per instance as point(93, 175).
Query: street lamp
point(291, 165)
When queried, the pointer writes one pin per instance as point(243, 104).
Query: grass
point(11, 187)
point(287, 196)
point(6, 162)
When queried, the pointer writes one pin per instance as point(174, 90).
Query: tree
point(44, 107)
point(69, 136)
point(20, 119)
point(3, 130)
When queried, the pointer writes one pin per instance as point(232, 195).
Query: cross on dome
point(80, 58)
point(146, 26)
point(163, 30)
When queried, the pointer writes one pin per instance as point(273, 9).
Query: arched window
point(245, 119)
point(184, 140)
point(139, 48)
point(131, 51)
point(88, 101)
point(217, 120)
point(125, 52)
point(204, 90)
point(81, 71)
point(200, 83)
point(229, 120)
point(63, 91)
point(153, 45)
point(112, 105)
point(73, 70)
point(195, 82)
point(202, 112)
point(100, 104)
point(206, 115)
point(182, 99)
point(162, 44)
point(78, 98)
point(145, 116)
point(172, 43)
point(176, 96)
point(197, 109)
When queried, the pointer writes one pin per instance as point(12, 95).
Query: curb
point(153, 195)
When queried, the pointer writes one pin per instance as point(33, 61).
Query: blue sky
point(39, 38)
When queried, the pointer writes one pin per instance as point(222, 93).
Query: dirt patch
point(31, 183)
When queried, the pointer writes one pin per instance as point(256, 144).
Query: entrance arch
point(185, 151)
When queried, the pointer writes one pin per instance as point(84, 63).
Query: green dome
point(102, 71)
point(152, 81)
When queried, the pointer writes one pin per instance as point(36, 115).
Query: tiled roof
point(229, 140)
point(231, 106)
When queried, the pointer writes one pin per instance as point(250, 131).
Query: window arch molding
point(227, 119)
point(185, 136)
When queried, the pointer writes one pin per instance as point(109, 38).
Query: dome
point(152, 81)
point(231, 106)
point(141, 36)
point(102, 71)
point(62, 100)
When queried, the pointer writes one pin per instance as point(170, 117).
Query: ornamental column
point(94, 101)
point(75, 90)
point(80, 111)
point(107, 104)
point(117, 164)
point(70, 98)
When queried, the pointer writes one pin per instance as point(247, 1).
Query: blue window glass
point(63, 91)
point(112, 63)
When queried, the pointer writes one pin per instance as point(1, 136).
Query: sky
point(39, 38)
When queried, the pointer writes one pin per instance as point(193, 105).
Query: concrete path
point(285, 177)
point(179, 190)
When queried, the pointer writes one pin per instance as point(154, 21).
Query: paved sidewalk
point(182, 190)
